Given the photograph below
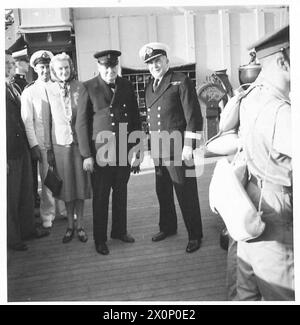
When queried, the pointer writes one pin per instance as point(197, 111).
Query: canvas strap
point(268, 159)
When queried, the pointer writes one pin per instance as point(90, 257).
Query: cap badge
point(45, 55)
point(149, 50)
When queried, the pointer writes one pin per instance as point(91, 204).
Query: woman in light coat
point(62, 143)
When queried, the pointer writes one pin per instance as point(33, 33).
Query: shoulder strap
point(244, 93)
point(230, 116)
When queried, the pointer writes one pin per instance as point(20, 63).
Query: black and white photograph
point(150, 154)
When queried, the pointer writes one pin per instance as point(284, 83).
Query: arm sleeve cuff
point(192, 135)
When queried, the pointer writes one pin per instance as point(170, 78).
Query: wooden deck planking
point(122, 275)
point(51, 271)
point(142, 289)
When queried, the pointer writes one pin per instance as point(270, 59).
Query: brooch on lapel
point(76, 97)
point(175, 83)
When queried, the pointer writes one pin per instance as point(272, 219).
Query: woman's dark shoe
point(81, 234)
point(68, 235)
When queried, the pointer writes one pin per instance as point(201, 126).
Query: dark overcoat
point(16, 140)
point(102, 110)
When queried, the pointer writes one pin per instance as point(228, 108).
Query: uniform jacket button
point(113, 124)
point(158, 115)
point(158, 123)
point(158, 108)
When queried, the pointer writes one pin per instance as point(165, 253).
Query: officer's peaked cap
point(108, 57)
point(20, 55)
point(41, 56)
point(272, 43)
point(151, 51)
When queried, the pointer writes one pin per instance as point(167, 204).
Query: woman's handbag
point(53, 181)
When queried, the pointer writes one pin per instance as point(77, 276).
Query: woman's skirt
point(76, 181)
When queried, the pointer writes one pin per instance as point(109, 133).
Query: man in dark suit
point(107, 103)
point(172, 105)
point(20, 204)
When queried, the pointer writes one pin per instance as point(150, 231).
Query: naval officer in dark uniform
point(20, 207)
point(172, 105)
point(22, 66)
point(107, 103)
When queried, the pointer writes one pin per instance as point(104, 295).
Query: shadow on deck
point(143, 271)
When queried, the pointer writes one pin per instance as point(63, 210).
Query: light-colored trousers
point(49, 207)
point(265, 265)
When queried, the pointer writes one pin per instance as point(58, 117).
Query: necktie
point(112, 87)
point(155, 84)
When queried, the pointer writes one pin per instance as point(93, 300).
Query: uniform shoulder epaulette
point(30, 84)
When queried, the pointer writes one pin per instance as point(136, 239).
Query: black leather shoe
point(40, 232)
point(162, 235)
point(102, 248)
point(19, 247)
point(193, 245)
point(125, 238)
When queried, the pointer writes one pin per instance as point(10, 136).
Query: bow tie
point(112, 85)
